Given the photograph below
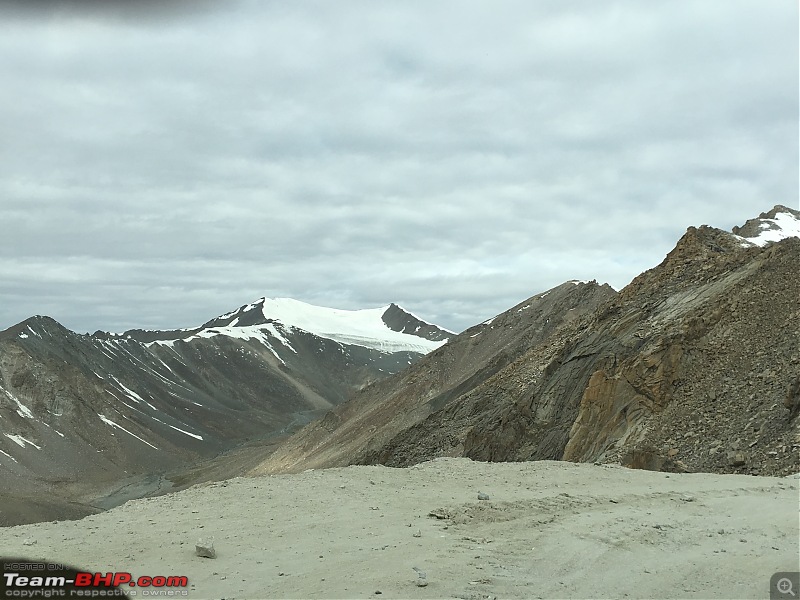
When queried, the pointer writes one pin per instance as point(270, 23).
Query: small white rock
point(205, 548)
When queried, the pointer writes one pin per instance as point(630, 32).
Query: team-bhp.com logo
point(30, 579)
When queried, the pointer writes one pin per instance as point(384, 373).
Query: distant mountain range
point(81, 413)
point(694, 366)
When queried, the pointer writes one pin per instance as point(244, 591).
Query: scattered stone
point(687, 498)
point(439, 513)
point(422, 577)
point(418, 533)
point(482, 496)
point(737, 459)
point(205, 548)
point(29, 542)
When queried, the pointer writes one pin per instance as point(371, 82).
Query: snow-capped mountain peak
point(773, 226)
point(387, 328)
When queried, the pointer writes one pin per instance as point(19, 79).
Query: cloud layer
point(159, 167)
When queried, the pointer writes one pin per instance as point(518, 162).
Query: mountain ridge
point(342, 325)
point(638, 379)
point(680, 370)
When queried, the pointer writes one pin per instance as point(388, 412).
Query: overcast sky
point(160, 167)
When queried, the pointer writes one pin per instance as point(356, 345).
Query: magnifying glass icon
point(784, 586)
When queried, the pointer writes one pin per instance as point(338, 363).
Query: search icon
point(784, 586)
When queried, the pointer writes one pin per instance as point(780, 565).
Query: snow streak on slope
point(22, 410)
point(21, 441)
point(108, 421)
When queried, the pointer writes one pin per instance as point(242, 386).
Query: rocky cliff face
point(693, 366)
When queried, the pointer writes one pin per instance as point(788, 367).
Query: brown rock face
point(615, 405)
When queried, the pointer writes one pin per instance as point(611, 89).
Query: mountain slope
point(691, 367)
point(79, 413)
point(362, 429)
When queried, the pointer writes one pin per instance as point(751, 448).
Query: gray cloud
point(159, 167)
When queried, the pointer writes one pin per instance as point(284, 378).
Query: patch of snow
point(23, 336)
point(131, 394)
point(784, 225)
point(161, 343)
point(274, 331)
point(166, 366)
point(488, 321)
point(21, 440)
point(160, 376)
point(125, 403)
point(578, 281)
point(22, 410)
point(194, 435)
point(108, 421)
point(526, 307)
point(228, 315)
point(255, 332)
point(8, 455)
point(33, 332)
point(545, 294)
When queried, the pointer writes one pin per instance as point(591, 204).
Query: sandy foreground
point(548, 530)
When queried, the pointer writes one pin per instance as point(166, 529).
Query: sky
point(161, 165)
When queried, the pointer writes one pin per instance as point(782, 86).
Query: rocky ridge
point(694, 366)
